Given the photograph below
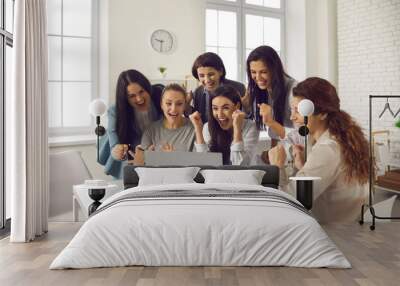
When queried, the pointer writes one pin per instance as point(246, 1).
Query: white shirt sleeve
point(242, 152)
point(324, 162)
point(207, 138)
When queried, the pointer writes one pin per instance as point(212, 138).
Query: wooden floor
point(375, 256)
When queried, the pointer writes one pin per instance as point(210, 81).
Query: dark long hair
point(209, 60)
point(353, 144)
point(221, 139)
point(271, 59)
point(125, 125)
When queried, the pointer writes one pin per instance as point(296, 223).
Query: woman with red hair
point(339, 156)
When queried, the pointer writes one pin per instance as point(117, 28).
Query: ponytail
point(353, 145)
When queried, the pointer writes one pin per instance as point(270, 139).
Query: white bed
point(267, 229)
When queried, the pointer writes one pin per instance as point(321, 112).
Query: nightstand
point(82, 201)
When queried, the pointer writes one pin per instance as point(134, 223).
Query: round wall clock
point(162, 41)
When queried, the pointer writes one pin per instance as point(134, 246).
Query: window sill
point(72, 140)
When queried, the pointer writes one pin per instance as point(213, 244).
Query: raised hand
point(298, 155)
point(237, 118)
point(119, 151)
point(266, 113)
point(277, 156)
point(195, 118)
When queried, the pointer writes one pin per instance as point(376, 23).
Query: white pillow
point(163, 176)
point(248, 177)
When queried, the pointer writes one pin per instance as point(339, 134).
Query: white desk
point(81, 199)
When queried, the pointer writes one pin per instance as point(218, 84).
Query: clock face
point(162, 41)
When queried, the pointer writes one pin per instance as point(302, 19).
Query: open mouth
point(223, 122)
point(261, 83)
point(173, 115)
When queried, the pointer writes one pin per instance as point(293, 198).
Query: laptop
point(179, 158)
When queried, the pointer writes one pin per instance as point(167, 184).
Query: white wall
point(311, 39)
point(131, 24)
point(369, 60)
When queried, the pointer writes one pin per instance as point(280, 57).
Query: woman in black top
point(209, 69)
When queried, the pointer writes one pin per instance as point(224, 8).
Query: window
point(72, 47)
point(6, 44)
point(235, 27)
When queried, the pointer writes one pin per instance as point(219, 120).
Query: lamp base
point(96, 195)
point(304, 193)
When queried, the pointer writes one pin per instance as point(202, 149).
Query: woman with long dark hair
point(339, 155)
point(269, 91)
point(137, 106)
point(209, 70)
point(227, 130)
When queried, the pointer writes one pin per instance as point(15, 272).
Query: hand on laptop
point(167, 147)
point(138, 156)
point(119, 151)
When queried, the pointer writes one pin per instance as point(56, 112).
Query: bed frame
point(270, 179)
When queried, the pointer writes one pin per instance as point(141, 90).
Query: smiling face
point(209, 77)
point(173, 105)
point(261, 74)
point(222, 109)
point(138, 97)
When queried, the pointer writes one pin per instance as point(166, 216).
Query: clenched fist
point(266, 113)
point(238, 118)
point(195, 118)
point(277, 156)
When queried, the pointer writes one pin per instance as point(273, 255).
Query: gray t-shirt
point(182, 138)
point(143, 119)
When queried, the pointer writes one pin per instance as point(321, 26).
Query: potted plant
point(162, 70)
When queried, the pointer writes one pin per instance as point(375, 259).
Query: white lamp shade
point(97, 107)
point(306, 107)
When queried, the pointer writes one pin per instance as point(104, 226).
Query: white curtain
point(28, 148)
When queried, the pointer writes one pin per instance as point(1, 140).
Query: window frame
point(80, 130)
point(242, 9)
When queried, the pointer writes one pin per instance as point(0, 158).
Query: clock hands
point(161, 43)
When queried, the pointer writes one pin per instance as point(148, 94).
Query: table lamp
point(97, 108)
point(304, 185)
point(306, 108)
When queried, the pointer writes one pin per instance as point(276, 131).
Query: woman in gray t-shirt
point(173, 132)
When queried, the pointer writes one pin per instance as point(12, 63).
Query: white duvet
point(200, 231)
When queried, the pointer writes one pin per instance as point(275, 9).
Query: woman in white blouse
point(227, 131)
point(339, 155)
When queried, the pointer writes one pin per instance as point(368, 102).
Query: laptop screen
point(179, 158)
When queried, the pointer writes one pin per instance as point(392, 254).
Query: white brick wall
point(369, 61)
